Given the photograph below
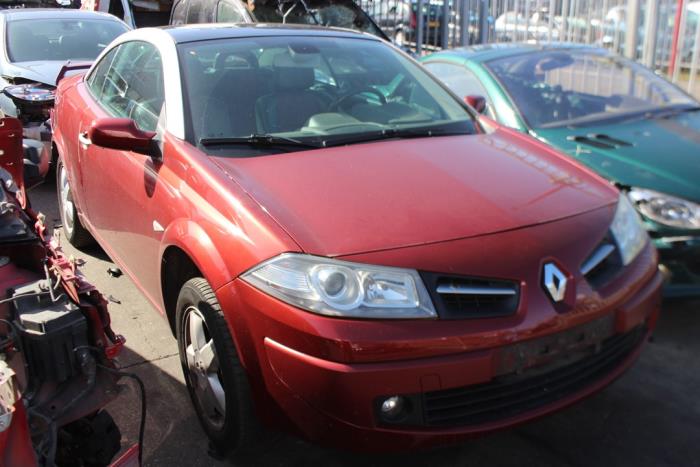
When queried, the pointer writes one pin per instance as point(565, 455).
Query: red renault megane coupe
point(340, 246)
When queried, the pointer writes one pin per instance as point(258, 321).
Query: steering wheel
point(366, 89)
point(557, 104)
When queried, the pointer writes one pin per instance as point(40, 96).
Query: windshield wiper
point(258, 140)
point(672, 112)
point(391, 133)
point(622, 117)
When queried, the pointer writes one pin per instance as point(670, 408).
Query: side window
point(227, 12)
point(196, 12)
point(179, 15)
point(96, 80)
point(133, 86)
point(460, 80)
point(116, 8)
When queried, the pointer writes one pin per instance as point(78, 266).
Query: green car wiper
point(258, 140)
point(672, 112)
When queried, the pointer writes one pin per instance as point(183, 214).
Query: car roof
point(205, 32)
point(486, 52)
point(15, 14)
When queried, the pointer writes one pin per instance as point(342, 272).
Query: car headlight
point(628, 231)
point(666, 209)
point(340, 288)
point(32, 92)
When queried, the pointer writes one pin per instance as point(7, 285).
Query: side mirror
point(477, 103)
point(122, 134)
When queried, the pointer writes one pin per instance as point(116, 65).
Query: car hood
point(44, 72)
point(389, 194)
point(660, 154)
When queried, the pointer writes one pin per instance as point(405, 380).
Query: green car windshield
point(315, 90)
point(556, 88)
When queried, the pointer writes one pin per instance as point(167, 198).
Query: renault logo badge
point(554, 282)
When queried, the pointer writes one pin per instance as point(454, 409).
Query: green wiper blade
point(665, 113)
point(258, 140)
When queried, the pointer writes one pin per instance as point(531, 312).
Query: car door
point(119, 185)
point(81, 106)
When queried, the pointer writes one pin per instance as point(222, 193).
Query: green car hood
point(661, 154)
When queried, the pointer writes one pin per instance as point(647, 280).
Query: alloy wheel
point(203, 368)
point(67, 207)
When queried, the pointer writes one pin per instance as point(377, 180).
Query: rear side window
point(133, 85)
point(179, 15)
point(96, 80)
point(116, 8)
point(198, 12)
point(230, 12)
point(460, 80)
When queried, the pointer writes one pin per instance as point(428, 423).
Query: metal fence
point(662, 34)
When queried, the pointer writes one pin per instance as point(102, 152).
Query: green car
point(617, 117)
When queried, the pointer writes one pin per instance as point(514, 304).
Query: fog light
point(392, 407)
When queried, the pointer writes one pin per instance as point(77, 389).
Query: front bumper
point(680, 260)
point(328, 376)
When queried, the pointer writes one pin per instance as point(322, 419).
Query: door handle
point(83, 139)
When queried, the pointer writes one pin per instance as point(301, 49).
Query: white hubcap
point(67, 210)
point(203, 366)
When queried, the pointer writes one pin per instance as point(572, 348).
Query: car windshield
point(31, 40)
point(7, 4)
point(313, 90)
point(333, 13)
point(557, 88)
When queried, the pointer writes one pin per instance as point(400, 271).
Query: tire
point(201, 327)
point(73, 229)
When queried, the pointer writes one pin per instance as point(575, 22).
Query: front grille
point(603, 264)
point(457, 297)
point(509, 396)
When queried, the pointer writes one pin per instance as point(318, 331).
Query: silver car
point(36, 45)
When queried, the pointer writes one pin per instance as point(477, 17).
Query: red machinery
point(57, 348)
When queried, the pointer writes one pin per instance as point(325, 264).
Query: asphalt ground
point(649, 417)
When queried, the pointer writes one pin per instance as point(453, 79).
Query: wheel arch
point(187, 251)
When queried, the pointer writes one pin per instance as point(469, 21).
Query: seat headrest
point(294, 72)
point(294, 78)
point(235, 79)
point(290, 59)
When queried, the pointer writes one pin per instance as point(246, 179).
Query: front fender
point(191, 238)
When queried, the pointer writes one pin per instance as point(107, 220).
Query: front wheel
point(216, 381)
point(77, 235)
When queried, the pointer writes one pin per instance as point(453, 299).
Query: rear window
point(59, 39)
